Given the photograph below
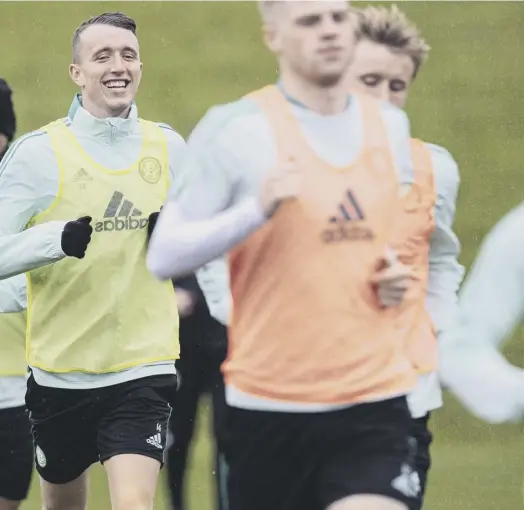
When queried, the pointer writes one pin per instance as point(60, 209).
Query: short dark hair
point(114, 19)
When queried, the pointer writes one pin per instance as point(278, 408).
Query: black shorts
point(73, 429)
point(422, 437)
point(297, 461)
point(16, 453)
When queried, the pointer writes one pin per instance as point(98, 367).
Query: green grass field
point(467, 99)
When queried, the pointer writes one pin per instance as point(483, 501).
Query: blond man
point(387, 59)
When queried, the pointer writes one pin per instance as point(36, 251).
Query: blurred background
point(467, 98)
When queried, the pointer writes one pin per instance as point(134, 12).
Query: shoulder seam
point(163, 125)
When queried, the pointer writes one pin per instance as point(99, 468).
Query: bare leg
point(65, 496)
point(132, 481)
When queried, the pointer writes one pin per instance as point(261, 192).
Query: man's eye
point(397, 86)
point(309, 21)
point(371, 80)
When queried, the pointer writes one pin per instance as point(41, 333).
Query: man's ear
point(272, 38)
point(76, 74)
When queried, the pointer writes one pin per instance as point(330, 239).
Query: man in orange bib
point(387, 59)
point(317, 371)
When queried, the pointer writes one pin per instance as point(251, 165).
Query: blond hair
point(269, 10)
point(392, 28)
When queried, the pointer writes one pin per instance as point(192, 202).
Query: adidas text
point(117, 224)
point(346, 232)
point(120, 214)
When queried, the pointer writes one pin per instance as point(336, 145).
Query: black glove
point(153, 217)
point(76, 236)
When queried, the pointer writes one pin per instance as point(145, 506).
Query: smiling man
point(102, 332)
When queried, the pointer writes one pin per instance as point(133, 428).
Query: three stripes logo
point(155, 440)
point(82, 178)
point(120, 214)
point(346, 225)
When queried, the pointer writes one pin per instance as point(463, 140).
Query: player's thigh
point(63, 424)
point(368, 458)
point(266, 466)
point(16, 456)
point(65, 496)
point(132, 481)
point(7, 504)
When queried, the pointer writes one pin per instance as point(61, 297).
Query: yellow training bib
point(105, 312)
point(12, 344)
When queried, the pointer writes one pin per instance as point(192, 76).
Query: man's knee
point(133, 496)
point(133, 501)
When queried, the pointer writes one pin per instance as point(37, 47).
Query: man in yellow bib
point(102, 334)
point(16, 444)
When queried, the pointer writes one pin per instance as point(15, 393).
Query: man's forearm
point(179, 247)
point(32, 248)
point(483, 380)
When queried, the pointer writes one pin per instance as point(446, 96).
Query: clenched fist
point(391, 281)
point(76, 236)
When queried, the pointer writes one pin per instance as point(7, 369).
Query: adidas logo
point(346, 225)
point(82, 175)
point(120, 214)
point(155, 440)
point(82, 178)
point(407, 483)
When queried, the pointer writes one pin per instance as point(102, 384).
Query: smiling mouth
point(117, 84)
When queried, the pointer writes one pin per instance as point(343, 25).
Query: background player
point(16, 442)
point(7, 117)
point(388, 57)
point(203, 346)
